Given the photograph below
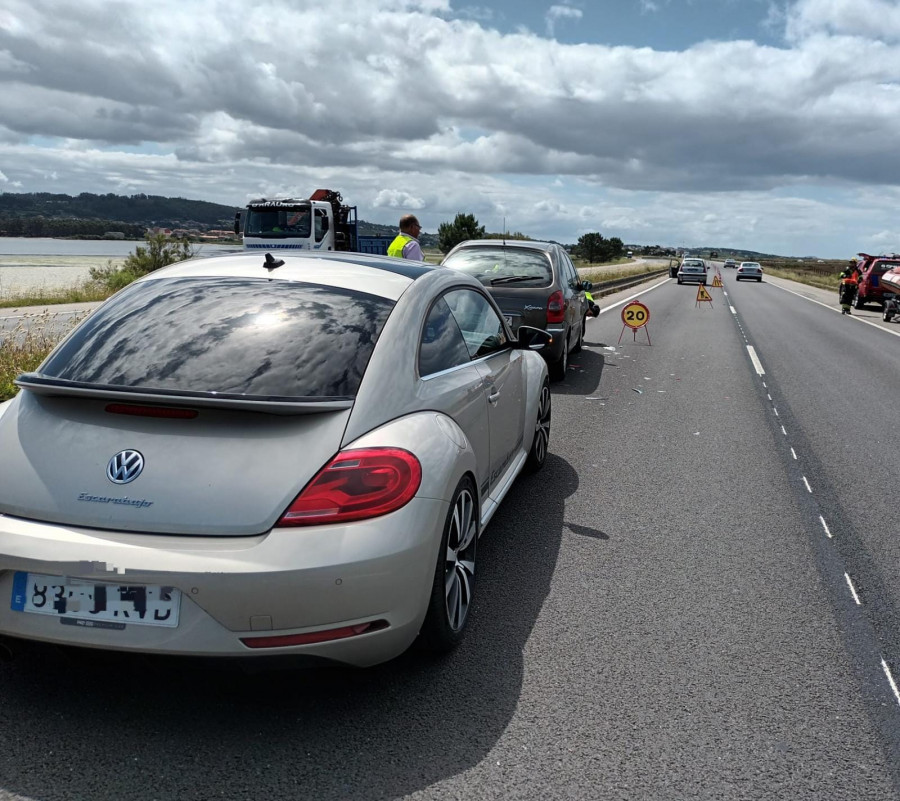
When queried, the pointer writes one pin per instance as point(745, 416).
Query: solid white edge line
point(825, 526)
point(890, 678)
point(757, 364)
point(852, 590)
point(837, 311)
point(632, 297)
point(807, 483)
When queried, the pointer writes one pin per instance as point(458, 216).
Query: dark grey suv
point(534, 283)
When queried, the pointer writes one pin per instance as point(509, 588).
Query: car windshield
point(253, 337)
point(279, 223)
point(883, 266)
point(500, 265)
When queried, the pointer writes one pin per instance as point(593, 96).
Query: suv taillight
point(355, 485)
point(556, 307)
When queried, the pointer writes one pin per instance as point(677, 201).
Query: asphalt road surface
point(696, 599)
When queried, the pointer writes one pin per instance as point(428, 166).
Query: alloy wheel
point(459, 567)
point(542, 426)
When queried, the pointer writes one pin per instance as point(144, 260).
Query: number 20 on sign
point(635, 315)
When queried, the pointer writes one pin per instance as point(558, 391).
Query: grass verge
point(88, 292)
point(23, 348)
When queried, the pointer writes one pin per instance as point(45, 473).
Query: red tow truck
point(872, 288)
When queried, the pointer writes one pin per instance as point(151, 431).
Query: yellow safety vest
point(396, 247)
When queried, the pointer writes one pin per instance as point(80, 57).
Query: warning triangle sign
point(717, 281)
point(703, 296)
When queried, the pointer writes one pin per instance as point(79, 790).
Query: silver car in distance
point(239, 456)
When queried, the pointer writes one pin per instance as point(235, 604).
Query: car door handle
point(493, 397)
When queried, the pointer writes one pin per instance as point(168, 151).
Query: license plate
point(104, 606)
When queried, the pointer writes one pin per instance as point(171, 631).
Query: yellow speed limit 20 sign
point(635, 314)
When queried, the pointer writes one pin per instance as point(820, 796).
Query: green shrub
point(160, 251)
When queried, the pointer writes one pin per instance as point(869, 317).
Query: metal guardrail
point(602, 288)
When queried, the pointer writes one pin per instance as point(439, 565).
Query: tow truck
point(321, 222)
point(872, 288)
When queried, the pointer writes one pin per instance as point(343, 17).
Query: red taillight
point(556, 307)
point(284, 640)
point(357, 484)
point(151, 411)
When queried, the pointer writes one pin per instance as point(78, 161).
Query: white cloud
point(397, 199)
point(872, 19)
point(559, 12)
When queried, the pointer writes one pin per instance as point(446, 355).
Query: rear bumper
point(288, 581)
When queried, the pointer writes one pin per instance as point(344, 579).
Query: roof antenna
point(271, 262)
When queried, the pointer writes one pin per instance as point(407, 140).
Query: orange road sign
point(703, 296)
point(635, 314)
point(717, 281)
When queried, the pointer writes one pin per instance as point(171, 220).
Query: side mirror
point(531, 338)
point(587, 286)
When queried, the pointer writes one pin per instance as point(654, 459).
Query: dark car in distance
point(534, 283)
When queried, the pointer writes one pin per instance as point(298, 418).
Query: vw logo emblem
point(124, 467)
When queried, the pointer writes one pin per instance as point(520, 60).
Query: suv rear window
point(255, 337)
point(503, 266)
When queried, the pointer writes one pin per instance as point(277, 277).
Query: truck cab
point(321, 222)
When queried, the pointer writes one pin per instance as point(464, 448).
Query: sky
point(765, 125)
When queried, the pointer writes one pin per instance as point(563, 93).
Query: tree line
point(591, 247)
point(67, 227)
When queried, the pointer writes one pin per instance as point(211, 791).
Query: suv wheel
point(859, 301)
point(559, 367)
point(579, 343)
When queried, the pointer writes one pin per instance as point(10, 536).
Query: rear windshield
point(260, 338)
point(881, 267)
point(503, 266)
point(693, 264)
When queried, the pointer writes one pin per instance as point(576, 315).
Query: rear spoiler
point(212, 400)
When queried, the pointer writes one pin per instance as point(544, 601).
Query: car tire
point(759, 280)
point(859, 301)
point(559, 367)
point(454, 575)
point(679, 280)
point(537, 456)
point(579, 343)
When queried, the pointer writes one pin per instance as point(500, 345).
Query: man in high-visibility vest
point(406, 244)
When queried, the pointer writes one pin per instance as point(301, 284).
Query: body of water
point(29, 265)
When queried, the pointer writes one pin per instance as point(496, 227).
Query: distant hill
point(150, 210)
